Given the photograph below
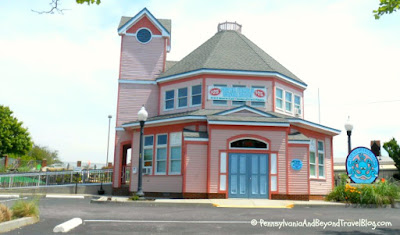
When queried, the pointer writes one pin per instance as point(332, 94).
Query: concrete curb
point(68, 225)
point(152, 203)
point(17, 223)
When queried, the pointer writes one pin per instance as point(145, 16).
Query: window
point(238, 103)
point(249, 143)
point(219, 102)
point(175, 142)
point(196, 95)
point(321, 158)
point(297, 103)
point(161, 160)
point(148, 153)
point(288, 101)
point(258, 103)
point(279, 98)
point(312, 158)
point(169, 99)
point(182, 97)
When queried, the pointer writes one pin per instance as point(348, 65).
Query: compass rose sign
point(362, 166)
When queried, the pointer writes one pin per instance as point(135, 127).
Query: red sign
point(215, 91)
point(259, 93)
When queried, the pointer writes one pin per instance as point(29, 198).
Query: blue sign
point(237, 93)
point(362, 166)
point(296, 164)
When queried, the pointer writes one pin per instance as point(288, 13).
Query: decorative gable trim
point(247, 108)
point(138, 16)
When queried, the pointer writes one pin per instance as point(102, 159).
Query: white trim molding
point(315, 125)
point(239, 123)
point(136, 124)
point(144, 82)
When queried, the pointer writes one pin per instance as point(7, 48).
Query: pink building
point(227, 121)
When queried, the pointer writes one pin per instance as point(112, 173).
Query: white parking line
point(65, 196)
point(15, 199)
point(167, 221)
point(9, 196)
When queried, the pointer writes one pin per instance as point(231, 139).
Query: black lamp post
point(142, 116)
point(349, 127)
point(101, 191)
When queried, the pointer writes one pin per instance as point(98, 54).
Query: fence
point(45, 179)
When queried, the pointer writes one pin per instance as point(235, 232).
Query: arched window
point(249, 143)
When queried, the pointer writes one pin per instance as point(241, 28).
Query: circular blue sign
point(362, 166)
point(143, 35)
point(296, 164)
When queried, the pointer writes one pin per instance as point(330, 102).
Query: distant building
point(227, 121)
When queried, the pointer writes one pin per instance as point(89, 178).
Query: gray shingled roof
point(229, 50)
point(164, 22)
point(169, 64)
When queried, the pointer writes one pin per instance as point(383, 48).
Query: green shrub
point(134, 198)
point(5, 213)
point(24, 208)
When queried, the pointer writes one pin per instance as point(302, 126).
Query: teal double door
point(248, 175)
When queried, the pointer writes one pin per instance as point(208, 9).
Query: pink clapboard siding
point(141, 61)
point(323, 186)
point(298, 179)
point(132, 97)
point(218, 141)
point(120, 136)
point(245, 81)
point(158, 183)
point(196, 168)
point(175, 87)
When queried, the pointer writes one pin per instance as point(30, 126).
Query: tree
point(43, 153)
point(55, 6)
point(14, 138)
point(393, 149)
point(386, 7)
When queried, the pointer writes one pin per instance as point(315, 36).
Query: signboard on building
point(362, 166)
point(296, 164)
point(237, 93)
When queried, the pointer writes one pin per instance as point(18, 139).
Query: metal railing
point(46, 179)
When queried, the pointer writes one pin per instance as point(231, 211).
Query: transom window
point(249, 143)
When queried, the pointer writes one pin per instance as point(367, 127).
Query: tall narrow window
point(257, 103)
point(238, 103)
point(175, 143)
point(182, 97)
point(321, 159)
point(161, 160)
point(279, 98)
point(288, 101)
point(312, 158)
point(220, 102)
point(297, 104)
point(148, 154)
point(196, 95)
point(169, 99)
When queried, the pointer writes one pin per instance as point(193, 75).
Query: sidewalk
point(227, 203)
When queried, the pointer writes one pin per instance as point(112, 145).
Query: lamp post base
point(100, 191)
point(140, 194)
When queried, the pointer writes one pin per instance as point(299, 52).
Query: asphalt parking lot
point(133, 218)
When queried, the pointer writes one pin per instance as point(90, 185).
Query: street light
point(101, 191)
point(349, 127)
point(142, 116)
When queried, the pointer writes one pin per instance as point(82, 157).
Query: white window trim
point(148, 147)
point(191, 95)
point(323, 155)
point(177, 100)
point(170, 158)
point(220, 85)
point(316, 159)
point(291, 102)
point(245, 138)
point(283, 99)
point(265, 102)
point(165, 100)
point(156, 158)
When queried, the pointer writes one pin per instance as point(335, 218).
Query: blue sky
point(58, 73)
